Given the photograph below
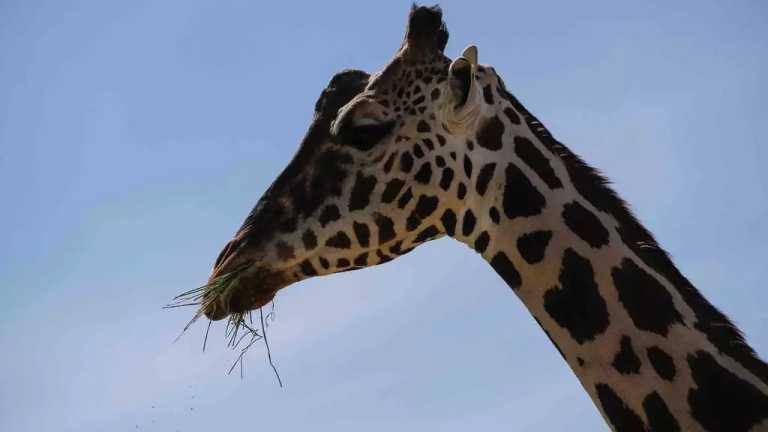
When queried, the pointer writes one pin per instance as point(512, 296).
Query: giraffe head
point(377, 173)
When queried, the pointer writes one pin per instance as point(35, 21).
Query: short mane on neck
point(650, 350)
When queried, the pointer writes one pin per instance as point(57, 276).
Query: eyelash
point(366, 136)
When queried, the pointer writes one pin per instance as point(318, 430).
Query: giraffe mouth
point(239, 302)
point(245, 291)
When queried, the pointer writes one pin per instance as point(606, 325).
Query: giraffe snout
point(215, 312)
point(249, 290)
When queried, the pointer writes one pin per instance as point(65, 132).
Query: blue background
point(135, 137)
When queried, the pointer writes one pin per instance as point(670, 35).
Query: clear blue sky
point(135, 136)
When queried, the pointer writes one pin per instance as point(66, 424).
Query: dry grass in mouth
point(240, 326)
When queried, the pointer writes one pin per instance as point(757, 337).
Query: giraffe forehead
point(404, 79)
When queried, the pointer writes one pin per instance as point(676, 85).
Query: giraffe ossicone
point(430, 146)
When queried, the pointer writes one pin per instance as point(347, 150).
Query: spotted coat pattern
point(430, 147)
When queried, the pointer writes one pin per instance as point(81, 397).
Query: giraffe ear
point(470, 53)
point(462, 75)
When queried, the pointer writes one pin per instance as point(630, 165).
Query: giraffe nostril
point(226, 252)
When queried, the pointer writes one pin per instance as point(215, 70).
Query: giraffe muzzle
point(249, 291)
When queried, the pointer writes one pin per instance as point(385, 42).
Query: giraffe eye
point(365, 136)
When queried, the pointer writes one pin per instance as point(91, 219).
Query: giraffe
point(429, 147)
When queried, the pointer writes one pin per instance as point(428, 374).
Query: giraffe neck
point(651, 352)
